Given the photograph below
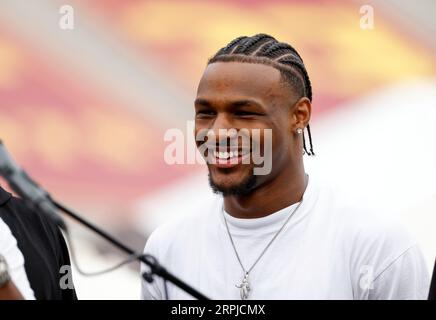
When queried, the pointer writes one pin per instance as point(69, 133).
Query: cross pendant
point(244, 287)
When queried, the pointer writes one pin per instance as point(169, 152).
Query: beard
point(244, 188)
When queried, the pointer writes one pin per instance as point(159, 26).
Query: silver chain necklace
point(244, 287)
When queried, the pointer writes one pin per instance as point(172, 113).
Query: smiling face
point(237, 95)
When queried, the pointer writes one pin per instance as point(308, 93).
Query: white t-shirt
point(15, 260)
point(328, 250)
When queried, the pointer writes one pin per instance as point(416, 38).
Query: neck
point(286, 189)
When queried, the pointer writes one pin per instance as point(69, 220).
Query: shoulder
point(376, 236)
point(4, 196)
point(20, 218)
point(369, 235)
point(375, 245)
point(355, 216)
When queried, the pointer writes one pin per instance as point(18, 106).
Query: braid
point(279, 49)
point(252, 44)
point(263, 48)
point(310, 141)
point(290, 60)
point(227, 49)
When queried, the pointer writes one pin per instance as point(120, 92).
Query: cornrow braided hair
point(263, 48)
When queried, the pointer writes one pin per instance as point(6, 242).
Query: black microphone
point(33, 195)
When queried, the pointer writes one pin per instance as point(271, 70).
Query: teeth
point(221, 155)
point(231, 154)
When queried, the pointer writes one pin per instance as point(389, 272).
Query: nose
point(222, 121)
point(222, 130)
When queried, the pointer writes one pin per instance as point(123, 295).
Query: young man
point(277, 235)
point(41, 244)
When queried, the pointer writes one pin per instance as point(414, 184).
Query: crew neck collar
point(270, 222)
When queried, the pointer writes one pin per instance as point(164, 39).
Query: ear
point(300, 113)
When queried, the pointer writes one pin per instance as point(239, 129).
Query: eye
point(245, 113)
point(204, 113)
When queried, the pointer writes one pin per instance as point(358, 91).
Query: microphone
point(33, 195)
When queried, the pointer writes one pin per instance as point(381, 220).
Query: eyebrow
point(202, 102)
point(234, 104)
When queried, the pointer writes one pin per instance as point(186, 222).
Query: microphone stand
point(155, 267)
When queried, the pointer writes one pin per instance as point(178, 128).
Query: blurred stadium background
point(85, 110)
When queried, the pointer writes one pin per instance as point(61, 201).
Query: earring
point(300, 131)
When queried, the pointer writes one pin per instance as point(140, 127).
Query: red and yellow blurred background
point(85, 110)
